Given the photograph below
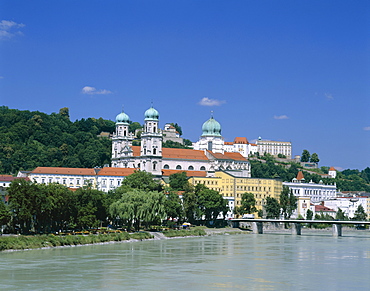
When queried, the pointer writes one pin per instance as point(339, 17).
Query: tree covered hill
point(31, 139)
point(347, 180)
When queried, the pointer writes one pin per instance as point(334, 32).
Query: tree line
point(139, 202)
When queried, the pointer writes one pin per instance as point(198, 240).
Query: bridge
point(257, 224)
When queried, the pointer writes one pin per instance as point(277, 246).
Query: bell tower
point(151, 144)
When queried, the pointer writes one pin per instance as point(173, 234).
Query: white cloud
point(9, 28)
point(93, 91)
point(281, 117)
point(210, 102)
point(329, 96)
point(367, 128)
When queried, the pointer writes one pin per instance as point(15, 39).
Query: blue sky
point(284, 70)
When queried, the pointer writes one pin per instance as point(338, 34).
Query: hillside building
point(316, 192)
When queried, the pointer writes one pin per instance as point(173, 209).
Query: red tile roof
point(228, 156)
point(9, 178)
point(64, 171)
point(323, 208)
point(332, 169)
point(229, 143)
point(241, 140)
point(235, 156)
point(300, 175)
point(188, 173)
point(121, 172)
point(183, 154)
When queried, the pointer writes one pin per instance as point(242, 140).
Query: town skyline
point(284, 71)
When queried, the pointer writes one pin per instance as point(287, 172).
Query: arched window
point(178, 167)
point(166, 166)
point(154, 165)
point(154, 151)
point(190, 168)
point(202, 168)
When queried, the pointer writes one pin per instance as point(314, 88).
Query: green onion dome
point(151, 114)
point(211, 128)
point(122, 118)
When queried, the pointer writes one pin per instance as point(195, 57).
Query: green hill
point(31, 139)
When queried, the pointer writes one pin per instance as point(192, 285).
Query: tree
point(173, 206)
point(272, 208)
point(248, 204)
point(314, 158)
point(89, 210)
point(288, 202)
point(305, 156)
point(177, 127)
point(309, 214)
point(179, 181)
point(5, 214)
point(64, 112)
point(138, 206)
point(340, 215)
point(134, 126)
point(360, 214)
point(142, 180)
point(191, 209)
point(211, 203)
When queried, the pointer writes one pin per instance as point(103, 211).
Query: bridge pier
point(296, 228)
point(257, 227)
point(337, 229)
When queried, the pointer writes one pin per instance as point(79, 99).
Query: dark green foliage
point(305, 156)
point(360, 214)
point(248, 204)
point(187, 142)
point(134, 126)
point(348, 180)
point(340, 215)
point(32, 139)
point(272, 208)
point(142, 180)
point(309, 214)
point(179, 181)
point(50, 208)
point(5, 214)
point(288, 202)
point(173, 206)
point(314, 158)
point(174, 144)
point(177, 127)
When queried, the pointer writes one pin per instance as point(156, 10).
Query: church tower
point(151, 144)
point(211, 138)
point(121, 143)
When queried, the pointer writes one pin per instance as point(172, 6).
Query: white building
point(316, 192)
point(71, 177)
point(348, 205)
point(274, 148)
point(208, 154)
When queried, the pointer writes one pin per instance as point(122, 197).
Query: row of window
point(179, 167)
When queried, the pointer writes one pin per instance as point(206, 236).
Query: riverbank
point(28, 242)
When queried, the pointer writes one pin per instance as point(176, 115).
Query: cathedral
point(207, 156)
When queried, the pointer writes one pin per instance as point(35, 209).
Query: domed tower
point(122, 142)
point(151, 144)
point(211, 138)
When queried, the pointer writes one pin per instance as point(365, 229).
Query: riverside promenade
point(296, 224)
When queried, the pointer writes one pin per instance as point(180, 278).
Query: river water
point(313, 261)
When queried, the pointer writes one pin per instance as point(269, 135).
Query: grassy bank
point(196, 231)
point(40, 241)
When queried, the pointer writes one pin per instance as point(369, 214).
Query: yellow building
point(232, 187)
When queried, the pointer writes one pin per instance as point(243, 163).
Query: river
point(313, 261)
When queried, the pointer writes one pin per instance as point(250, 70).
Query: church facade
point(208, 156)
